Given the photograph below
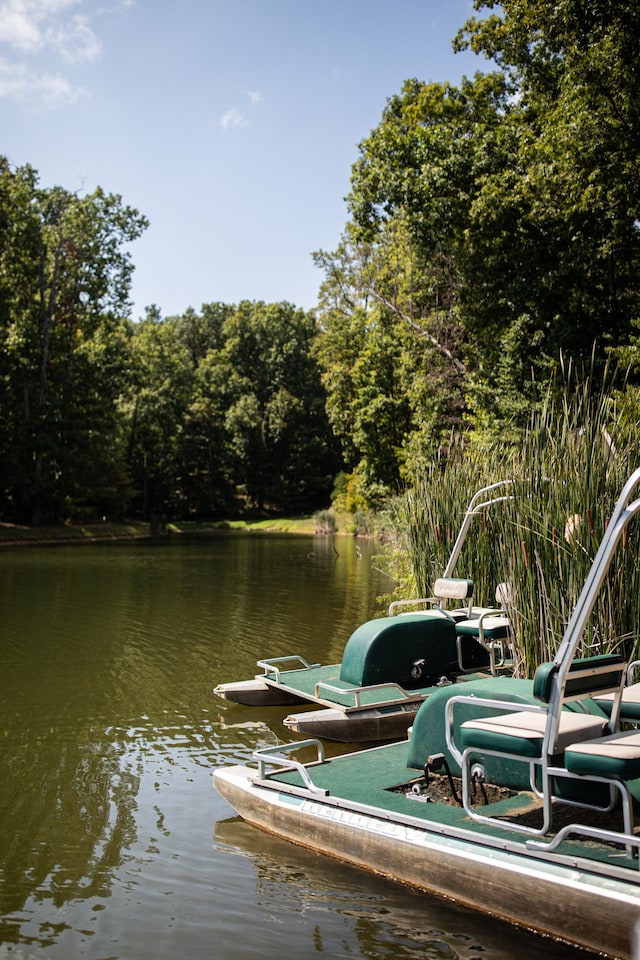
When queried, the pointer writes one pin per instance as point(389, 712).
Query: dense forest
point(493, 240)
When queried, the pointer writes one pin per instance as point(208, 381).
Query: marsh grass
point(568, 470)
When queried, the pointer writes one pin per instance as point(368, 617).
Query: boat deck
point(304, 683)
point(374, 779)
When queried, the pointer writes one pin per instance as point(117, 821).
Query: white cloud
point(18, 29)
point(46, 34)
point(75, 40)
point(19, 83)
point(25, 24)
point(233, 118)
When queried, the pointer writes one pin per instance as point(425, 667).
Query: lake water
point(113, 844)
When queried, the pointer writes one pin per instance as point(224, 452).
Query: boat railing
point(413, 602)
point(631, 841)
point(279, 756)
point(357, 692)
point(270, 668)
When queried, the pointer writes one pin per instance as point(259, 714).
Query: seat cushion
point(630, 705)
point(522, 733)
point(617, 756)
point(493, 628)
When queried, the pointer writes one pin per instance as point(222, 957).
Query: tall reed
point(429, 516)
point(568, 470)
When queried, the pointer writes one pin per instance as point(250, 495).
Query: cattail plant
point(428, 517)
point(568, 469)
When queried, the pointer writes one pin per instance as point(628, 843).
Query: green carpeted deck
point(303, 682)
point(370, 776)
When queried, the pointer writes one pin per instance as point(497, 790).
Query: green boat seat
point(487, 627)
point(616, 756)
point(522, 733)
point(453, 588)
point(429, 732)
point(564, 762)
point(491, 627)
point(586, 677)
point(630, 702)
point(540, 737)
point(445, 589)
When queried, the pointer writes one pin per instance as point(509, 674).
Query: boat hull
point(256, 693)
point(553, 899)
point(366, 726)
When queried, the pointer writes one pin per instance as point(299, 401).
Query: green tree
point(278, 436)
point(497, 220)
point(155, 405)
point(393, 351)
point(554, 238)
point(65, 275)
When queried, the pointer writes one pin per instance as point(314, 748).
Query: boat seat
point(491, 627)
point(452, 588)
point(445, 589)
point(630, 702)
point(616, 756)
point(522, 733)
point(542, 735)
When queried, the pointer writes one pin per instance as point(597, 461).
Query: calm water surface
point(113, 844)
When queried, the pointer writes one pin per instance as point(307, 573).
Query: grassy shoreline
point(15, 535)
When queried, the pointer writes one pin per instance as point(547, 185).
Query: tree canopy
point(195, 415)
point(495, 224)
point(64, 284)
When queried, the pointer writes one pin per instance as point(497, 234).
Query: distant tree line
point(493, 235)
point(200, 415)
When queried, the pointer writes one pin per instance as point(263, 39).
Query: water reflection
point(380, 919)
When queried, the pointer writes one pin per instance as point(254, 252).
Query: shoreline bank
point(15, 535)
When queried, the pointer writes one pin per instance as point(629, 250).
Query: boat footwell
point(546, 894)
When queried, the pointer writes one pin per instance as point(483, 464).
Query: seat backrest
point(585, 678)
point(453, 588)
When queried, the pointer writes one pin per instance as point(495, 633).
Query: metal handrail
point(631, 670)
point(269, 665)
point(623, 512)
point(630, 840)
point(356, 691)
point(276, 757)
point(475, 506)
point(406, 603)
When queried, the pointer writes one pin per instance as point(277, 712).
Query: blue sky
point(231, 125)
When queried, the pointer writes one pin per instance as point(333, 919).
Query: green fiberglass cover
point(428, 736)
point(414, 650)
